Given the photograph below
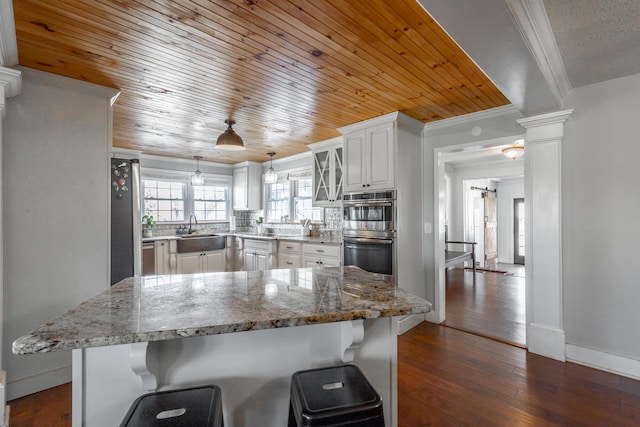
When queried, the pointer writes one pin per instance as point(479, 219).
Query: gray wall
point(56, 214)
point(601, 217)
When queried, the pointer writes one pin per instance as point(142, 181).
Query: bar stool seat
point(334, 396)
point(192, 407)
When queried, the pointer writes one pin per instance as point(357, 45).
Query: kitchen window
point(170, 198)
point(210, 202)
point(291, 200)
point(165, 200)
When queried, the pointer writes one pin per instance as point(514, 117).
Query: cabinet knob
point(364, 185)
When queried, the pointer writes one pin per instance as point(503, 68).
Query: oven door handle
point(370, 241)
point(366, 205)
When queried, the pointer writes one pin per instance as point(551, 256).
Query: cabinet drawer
point(288, 261)
point(292, 248)
point(256, 245)
point(322, 250)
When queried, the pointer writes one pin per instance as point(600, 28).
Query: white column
point(543, 250)
point(10, 83)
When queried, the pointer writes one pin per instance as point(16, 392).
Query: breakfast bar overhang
point(246, 332)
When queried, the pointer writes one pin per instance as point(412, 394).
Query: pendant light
point(197, 178)
point(270, 176)
point(229, 140)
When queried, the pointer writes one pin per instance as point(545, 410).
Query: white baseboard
point(36, 383)
point(505, 260)
point(546, 341)
point(407, 322)
point(604, 361)
point(434, 317)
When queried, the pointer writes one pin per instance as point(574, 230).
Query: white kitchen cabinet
point(202, 262)
point(365, 162)
point(369, 158)
point(328, 174)
point(247, 187)
point(165, 256)
point(321, 255)
point(259, 254)
point(254, 261)
point(289, 254)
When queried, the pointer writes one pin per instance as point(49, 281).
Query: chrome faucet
point(196, 219)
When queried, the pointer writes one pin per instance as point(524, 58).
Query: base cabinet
point(289, 255)
point(201, 262)
point(259, 254)
point(254, 261)
point(321, 256)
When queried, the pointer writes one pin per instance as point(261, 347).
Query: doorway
point(495, 305)
point(518, 230)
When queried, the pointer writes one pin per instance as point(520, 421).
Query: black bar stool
point(334, 396)
point(192, 407)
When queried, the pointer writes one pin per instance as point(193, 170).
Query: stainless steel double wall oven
point(369, 231)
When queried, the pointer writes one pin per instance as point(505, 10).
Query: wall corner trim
point(546, 341)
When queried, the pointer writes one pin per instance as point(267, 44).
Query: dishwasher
point(148, 259)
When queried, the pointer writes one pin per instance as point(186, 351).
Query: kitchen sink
point(200, 243)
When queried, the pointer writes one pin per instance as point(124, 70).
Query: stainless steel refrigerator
point(126, 220)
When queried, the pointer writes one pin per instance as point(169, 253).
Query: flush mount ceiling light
point(514, 151)
point(270, 176)
point(229, 140)
point(197, 178)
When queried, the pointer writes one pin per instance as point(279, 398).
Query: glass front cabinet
point(327, 173)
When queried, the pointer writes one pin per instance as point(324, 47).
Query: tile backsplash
point(246, 221)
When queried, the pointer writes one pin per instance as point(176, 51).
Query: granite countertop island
point(246, 332)
point(152, 308)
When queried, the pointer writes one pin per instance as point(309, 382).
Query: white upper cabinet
point(369, 158)
point(247, 187)
point(328, 174)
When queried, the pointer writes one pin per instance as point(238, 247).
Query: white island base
point(252, 368)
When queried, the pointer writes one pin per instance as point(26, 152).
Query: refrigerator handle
point(137, 217)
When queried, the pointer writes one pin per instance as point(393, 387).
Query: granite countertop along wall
point(327, 239)
point(155, 308)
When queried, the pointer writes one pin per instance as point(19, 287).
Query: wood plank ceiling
point(288, 71)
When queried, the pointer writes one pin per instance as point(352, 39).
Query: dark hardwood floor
point(447, 377)
point(493, 307)
point(452, 378)
point(49, 408)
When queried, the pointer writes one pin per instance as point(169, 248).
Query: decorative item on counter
point(306, 227)
point(148, 224)
point(259, 222)
point(119, 180)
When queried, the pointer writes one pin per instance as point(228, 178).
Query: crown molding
point(326, 143)
point(385, 118)
point(533, 23)
point(10, 85)
point(472, 117)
